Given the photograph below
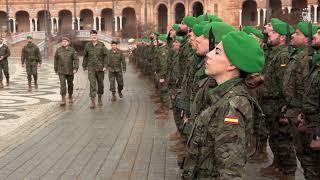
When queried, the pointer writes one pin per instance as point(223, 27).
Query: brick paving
point(121, 140)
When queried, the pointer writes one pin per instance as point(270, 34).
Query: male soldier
point(95, 62)
point(116, 65)
point(4, 54)
point(273, 99)
point(309, 126)
point(218, 141)
point(66, 64)
point(31, 60)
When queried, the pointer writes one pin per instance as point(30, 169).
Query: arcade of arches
point(29, 15)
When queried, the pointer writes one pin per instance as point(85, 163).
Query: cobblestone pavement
point(121, 140)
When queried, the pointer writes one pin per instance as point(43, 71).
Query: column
point(72, 23)
point(99, 23)
point(309, 12)
point(14, 25)
point(36, 24)
point(258, 10)
point(57, 24)
point(120, 22)
point(315, 16)
point(31, 25)
point(264, 15)
point(289, 9)
point(52, 24)
point(240, 17)
point(95, 23)
point(116, 23)
point(78, 21)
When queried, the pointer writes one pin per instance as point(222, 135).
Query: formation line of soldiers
point(96, 61)
point(232, 92)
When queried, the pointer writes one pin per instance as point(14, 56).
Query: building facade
point(127, 16)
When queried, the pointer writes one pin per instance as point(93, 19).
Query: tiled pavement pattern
point(121, 140)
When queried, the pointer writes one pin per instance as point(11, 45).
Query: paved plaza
point(121, 140)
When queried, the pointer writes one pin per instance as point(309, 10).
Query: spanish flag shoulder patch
point(231, 120)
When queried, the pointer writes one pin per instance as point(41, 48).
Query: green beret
point(190, 21)
point(179, 39)
point(281, 26)
point(219, 29)
point(303, 27)
point(208, 17)
point(163, 37)
point(252, 30)
point(29, 37)
point(243, 51)
point(198, 28)
point(176, 27)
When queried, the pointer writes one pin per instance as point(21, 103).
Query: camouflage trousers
point(64, 80)
point(32, 69)
point(96, 79)
point(113, 77)
point(164, 95)
point(280, 138)
point(4, 67)
point(309, 158)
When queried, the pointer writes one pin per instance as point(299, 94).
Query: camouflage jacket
point(295, 75)
point(5, 52)
point(30, 54)
point(173, 70)
point(311, 103)
point(163, 63)
point(218, 141)
point(95, 57)
point(116, 61)
point(274, 71)
point(66, 60)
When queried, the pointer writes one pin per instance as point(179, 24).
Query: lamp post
point(113, 19)
point(75, 26)
point(46, 15)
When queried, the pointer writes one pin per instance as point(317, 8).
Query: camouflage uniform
point(272, 99)
point(94, 60)
point(163, 74)
point(5, 53)
point(293, 87)
point(65, 62)
point(31, 57)
point(216, 147)
point(116, 64)
point(310, 158)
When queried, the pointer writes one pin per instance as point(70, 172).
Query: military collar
point(222, 89)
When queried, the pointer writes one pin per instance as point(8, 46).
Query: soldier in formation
point(233, 92)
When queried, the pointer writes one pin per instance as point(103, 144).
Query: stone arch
point(249, 13)
point(179, 12)
point(106, 19)
point(86, 19)
point(65, 21)
point(129, 22)
point(197, 8)
point(162, 17)
point(276, 8)
point(44, 20)
point(297, 8)
point(3, 22)
point(22, 21)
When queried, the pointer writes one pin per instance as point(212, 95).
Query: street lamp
point(75, 15)
point(46, 15)
point(113, 19)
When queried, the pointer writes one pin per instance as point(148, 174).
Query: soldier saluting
point(31, 60)
point(66, 64)
point(95, 62)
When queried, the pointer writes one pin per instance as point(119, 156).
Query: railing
point(85, 34)
point(23, 36)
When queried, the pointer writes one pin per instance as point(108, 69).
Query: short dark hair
point(93, 31)
point(65, 38)
point(114, 42)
